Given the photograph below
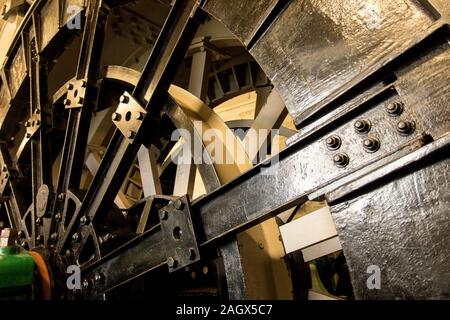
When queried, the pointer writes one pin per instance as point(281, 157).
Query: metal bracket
point(129, 116)
point(33, 124)
point(179, 234)
point(76, 94)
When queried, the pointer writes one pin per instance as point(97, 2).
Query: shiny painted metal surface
point(400, 226)
point(374, 76)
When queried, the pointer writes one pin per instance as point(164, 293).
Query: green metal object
point(16, 272)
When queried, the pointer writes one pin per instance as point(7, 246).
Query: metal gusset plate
point(179, 235)
point(128, 116)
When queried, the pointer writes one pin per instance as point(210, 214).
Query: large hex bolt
point(333, 142)
point(371, 145)
point(362, 126)
point(395, 108)
point(341, 160)
point(405, 127)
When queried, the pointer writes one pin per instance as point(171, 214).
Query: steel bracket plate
point(179, 234)
point(129, 116)
point(76, 94)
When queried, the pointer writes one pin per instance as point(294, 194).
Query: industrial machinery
point(229, 149)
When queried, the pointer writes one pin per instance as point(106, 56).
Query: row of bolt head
point(68, 102)
point(97, 279)
point(370, 144)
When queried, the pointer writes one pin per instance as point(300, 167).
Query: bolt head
point(86, 284)
point(190, 254)
point(27, 124)
point(171, 262)
point(178, 204)
point(70, 86)
point(54, 236)
point(58, 216)
point(341, 160)
point(98, 277)
point(76, 237)
point(84, 220)
point(140, 116)
point(163, 214)
point(38, 220)
point(333, 142)
point(67, 102)
point(116, 116)
point(39, 239)
point(61, 196)
point(362, 126)
point(405, 127)
point(395, 108)
point(124, 99)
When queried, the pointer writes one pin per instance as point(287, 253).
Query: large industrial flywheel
point(228, 149)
